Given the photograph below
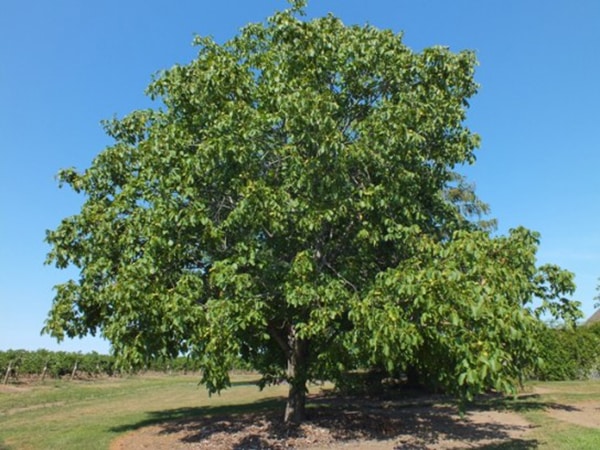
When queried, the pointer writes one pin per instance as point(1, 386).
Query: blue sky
point(66, 64)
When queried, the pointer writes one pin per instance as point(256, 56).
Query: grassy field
point(90, 414)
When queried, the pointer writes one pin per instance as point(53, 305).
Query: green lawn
point(89, 414)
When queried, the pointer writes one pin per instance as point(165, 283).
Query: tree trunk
point(413, 377)
point(297, 375)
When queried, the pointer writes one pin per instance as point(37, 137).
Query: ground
point(165, 412)
point(436, 427)
point(352, 424)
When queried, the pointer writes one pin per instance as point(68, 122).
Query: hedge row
point(59, 364)
point(569, 354)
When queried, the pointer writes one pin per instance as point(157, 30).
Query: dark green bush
point(568, 354)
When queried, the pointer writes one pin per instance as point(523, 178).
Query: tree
point(294, 203)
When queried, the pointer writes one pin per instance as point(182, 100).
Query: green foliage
point(568, 354)
point(296, 202)
point(462, 304)
point(60, 364)
point(57, 364)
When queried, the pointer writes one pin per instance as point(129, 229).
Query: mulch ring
point(337, 423)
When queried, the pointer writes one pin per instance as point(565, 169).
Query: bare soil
point(11, 388)
point(586, 414)
point(339, 424)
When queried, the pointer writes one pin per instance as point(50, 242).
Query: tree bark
point(297, 376)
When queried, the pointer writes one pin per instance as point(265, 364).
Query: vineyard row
point(45, 363)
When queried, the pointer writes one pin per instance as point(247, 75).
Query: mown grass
point(547, 432)
point(554, 433)
point(90, 414)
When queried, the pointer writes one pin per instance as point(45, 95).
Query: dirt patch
point(350, 426)
point(585, 414)
point(12, 388)
point(539, 390)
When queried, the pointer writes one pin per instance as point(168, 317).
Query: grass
point(550, 433)
point(557, 434)
point(90, 414)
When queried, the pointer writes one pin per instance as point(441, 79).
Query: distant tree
point(294, 202)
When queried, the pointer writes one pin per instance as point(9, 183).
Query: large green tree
point(294, 202)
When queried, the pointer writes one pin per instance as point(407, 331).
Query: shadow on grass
point(522, 404)
point(253, 382)
point(513, 444)
point(414, 426)
point(204, 413)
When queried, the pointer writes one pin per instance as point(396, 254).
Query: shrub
point(568, 354)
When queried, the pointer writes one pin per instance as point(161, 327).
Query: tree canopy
point(293, 200)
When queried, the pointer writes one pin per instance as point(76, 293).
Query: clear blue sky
point(65, 65)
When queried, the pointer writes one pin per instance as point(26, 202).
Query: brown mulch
point(338, 424)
